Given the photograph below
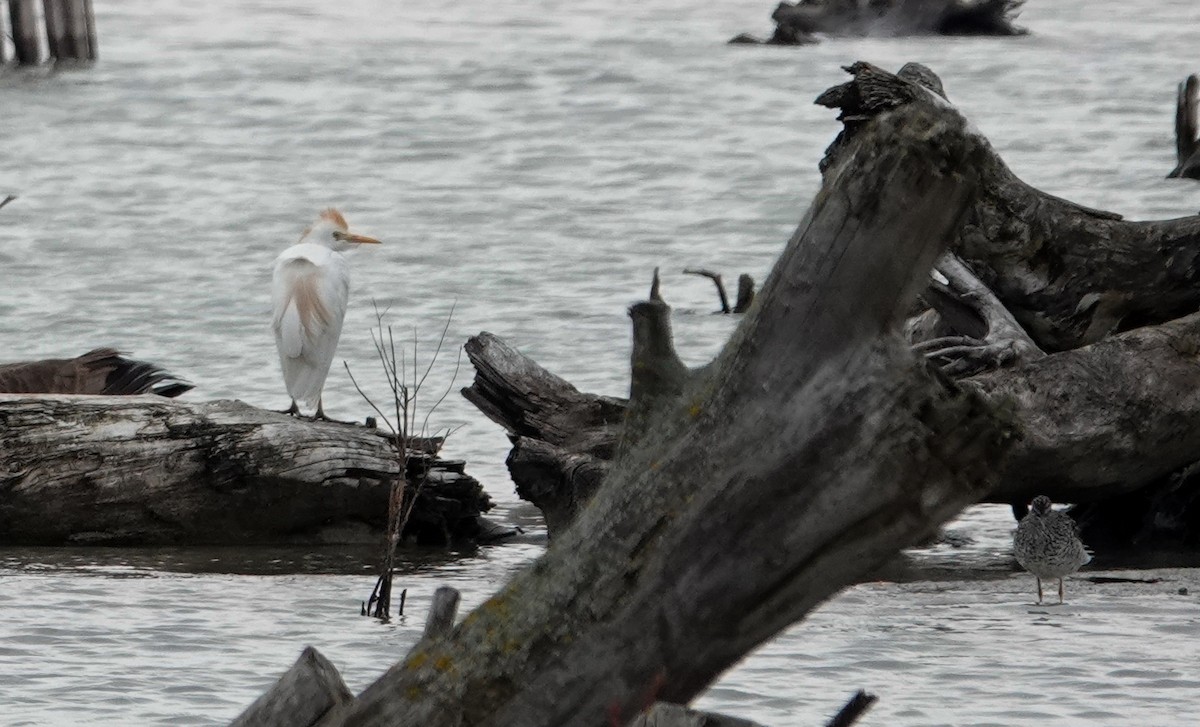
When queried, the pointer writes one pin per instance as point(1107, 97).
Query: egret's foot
point(321, 417)
point(293, 410)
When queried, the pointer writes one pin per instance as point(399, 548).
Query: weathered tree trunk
point(144, 470)
point(746, 492)
point(1101, 421)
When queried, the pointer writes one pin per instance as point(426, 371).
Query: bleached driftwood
point(148, 470)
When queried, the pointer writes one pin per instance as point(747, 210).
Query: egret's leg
point(294, 409)
point(321, 412)
point(1060, 591)
point(1039, 580)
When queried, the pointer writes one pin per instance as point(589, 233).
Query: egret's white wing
point(310, 291)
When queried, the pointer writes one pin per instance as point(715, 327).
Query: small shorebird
point(103, 371)
point(1047, 546)
point(310, 289)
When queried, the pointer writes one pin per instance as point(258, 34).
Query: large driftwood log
point(1103, 420)
point(808, 452)
point(1093, 424)
point(146, 470)
point(1117, 417)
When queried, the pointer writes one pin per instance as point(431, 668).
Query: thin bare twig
point(363, 394)
point(395, 365)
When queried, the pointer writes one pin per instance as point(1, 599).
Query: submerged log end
point(442, 612)
point(853, 709)
point(302, 695)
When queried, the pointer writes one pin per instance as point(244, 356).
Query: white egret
point(310, 289)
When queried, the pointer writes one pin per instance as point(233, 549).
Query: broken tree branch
point(990, 337)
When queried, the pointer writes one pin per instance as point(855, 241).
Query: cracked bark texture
point(144, 470)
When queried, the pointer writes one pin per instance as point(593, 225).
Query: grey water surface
point(527, 164)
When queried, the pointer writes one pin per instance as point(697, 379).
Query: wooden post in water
point(23, 14)
point(55, 27)
point(89, 15)
point(77, 29)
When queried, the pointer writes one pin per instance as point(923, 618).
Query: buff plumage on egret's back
point(309, 292)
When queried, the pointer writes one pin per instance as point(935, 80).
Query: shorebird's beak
point(361, 239)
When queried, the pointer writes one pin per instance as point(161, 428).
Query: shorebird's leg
point(294, 409)
point(1039, 580)
point(1060, 591)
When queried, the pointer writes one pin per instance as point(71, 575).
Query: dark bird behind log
point(100, 371)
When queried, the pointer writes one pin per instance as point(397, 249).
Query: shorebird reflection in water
point(310, 290)
point(1047, 545)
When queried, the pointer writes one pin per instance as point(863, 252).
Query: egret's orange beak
point(361, 239)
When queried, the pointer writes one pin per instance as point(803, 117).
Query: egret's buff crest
point(333, 217)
